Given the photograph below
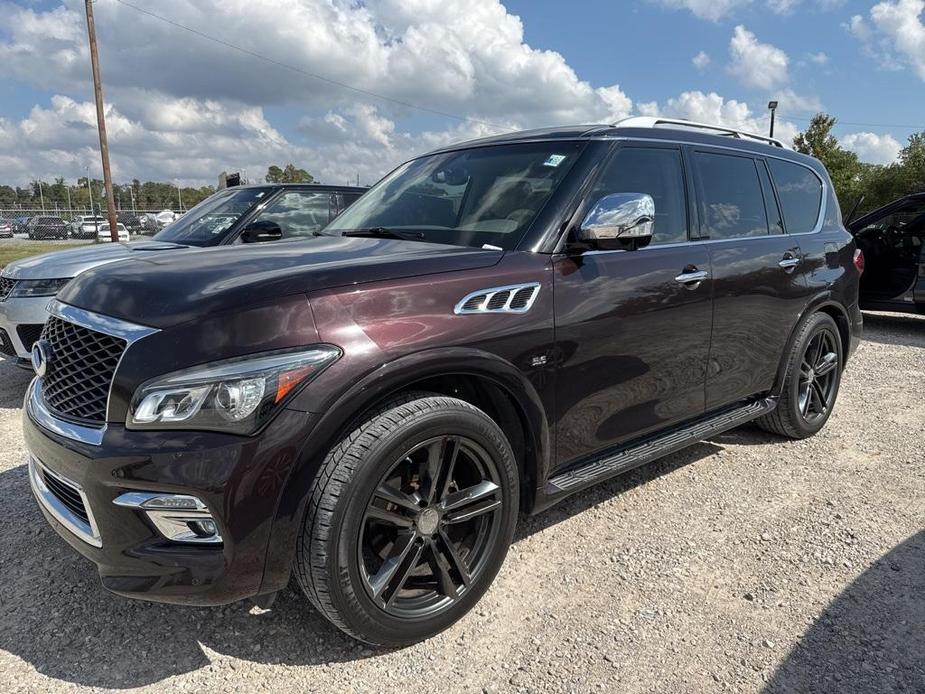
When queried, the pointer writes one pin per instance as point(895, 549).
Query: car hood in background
point(164, 289)
point(68, 263)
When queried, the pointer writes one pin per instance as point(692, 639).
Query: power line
point(313, 75)
point(839, 121)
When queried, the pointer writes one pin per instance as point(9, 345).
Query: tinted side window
point(800, 194)
point(299, 213)
point(731, 203)
point(657, 172)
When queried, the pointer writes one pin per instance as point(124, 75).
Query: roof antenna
point(855, 209)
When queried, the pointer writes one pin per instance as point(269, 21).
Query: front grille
point(6, 286)
point(67, 492)
point(29, 333)
point(80, 370)
point(6, 344)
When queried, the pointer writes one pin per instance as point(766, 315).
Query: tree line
point(852, 178)
point(137, 195)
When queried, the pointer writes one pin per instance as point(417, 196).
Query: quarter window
point(800, 194)
point(658, 173)
point(731, 202)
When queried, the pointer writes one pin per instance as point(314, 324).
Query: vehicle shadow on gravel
point(55, 615)
point(893, 329)
point(871, 638)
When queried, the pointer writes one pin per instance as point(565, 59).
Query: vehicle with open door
point(891, 238)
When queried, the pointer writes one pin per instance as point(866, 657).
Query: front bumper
point(240, 479)
point(20, 318)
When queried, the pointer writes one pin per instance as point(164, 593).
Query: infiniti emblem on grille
point(41, 354)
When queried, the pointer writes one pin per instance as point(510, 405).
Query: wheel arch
point(481, 378)
point(822, 303)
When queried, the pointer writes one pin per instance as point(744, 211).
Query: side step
point(647, 451)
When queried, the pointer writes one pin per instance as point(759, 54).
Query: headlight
point(234, 395)
point(26, 288)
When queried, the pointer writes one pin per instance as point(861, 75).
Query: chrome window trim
point(91, 534)
point(41, 415)
point(116, 327)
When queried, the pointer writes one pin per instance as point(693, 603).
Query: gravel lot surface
point(745, 563)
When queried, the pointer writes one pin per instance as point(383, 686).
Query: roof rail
point(653, 121)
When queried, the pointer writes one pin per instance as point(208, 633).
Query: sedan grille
point(6, 286)
point(80, 370)
point(6, 344)
point(29, 333)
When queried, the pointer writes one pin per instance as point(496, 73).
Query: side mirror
point(262, 230)
point(620, 216)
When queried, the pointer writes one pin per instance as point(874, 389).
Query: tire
point(811, 381)
point(345, 552)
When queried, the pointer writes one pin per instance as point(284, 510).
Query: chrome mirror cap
point(620, 216)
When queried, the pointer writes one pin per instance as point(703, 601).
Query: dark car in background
point(42, 227)
point(491, 328)
point(892, 238)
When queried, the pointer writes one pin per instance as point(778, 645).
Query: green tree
point(289, 174)
point(844, 168)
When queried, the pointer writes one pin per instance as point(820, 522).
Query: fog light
point(178, 517)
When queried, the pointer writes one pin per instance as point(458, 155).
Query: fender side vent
point(517, 298)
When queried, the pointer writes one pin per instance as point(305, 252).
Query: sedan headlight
point(235, 395)
point(27, 288)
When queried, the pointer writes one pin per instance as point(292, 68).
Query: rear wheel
point(811, 383)
point(409, 520)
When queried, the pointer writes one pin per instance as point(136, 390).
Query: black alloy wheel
point(818, 377)
point(428, 526)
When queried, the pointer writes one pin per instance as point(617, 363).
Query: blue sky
point(182, 106)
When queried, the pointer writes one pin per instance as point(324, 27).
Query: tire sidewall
point(818, 322)
point(348, 591)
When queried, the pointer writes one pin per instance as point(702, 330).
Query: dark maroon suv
point(492, 327)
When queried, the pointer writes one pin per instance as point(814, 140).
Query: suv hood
point(165, 289)
point(69, 263)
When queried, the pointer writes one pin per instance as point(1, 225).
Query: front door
point(633, 326)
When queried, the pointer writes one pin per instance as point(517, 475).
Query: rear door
point(758, 284)
point(632, 326)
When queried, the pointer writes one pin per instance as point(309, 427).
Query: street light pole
point(773, 106)
point(101, 121)
point(90, 190)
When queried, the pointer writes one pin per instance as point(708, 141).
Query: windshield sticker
point(554, 160)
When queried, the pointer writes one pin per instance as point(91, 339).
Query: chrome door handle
point(789, 262)
point(691, 277)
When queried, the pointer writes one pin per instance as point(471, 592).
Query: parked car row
point(491, 328)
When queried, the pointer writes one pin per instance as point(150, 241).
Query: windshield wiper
point(383, 232)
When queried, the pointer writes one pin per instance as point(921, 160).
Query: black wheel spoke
point(441, 459)
point(449, 572)
point(380, 514)
point(826, 363)
point(452, 556)
point(404, 557)
point(819, 398)
point(470, 502)
point(397, 497)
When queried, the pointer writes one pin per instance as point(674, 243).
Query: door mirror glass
point(623, 216)
point(261, 231)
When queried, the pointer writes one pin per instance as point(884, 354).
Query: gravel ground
point(745, 563)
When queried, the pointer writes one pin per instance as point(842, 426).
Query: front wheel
point(811, 382)
point(409, 520)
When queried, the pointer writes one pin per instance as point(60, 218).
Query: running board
point(647, 451)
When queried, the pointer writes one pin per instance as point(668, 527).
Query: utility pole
point(90, 191)
point(41, 195)
point(67, 189)
point(179, 199)
point(101, 122)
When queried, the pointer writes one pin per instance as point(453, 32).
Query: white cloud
point(713, 108)
point(757, 64)
point(713, 10)
point(873, 148)
point(820, 58)
point(899, 27)
point(701, 61)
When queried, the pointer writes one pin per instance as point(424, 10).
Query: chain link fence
point(54, 223)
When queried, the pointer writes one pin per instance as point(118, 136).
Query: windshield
point(209, 221)
point(474, 197)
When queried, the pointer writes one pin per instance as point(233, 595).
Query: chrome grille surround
point(65, 500)
point(514, 298)
point(46, 395)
